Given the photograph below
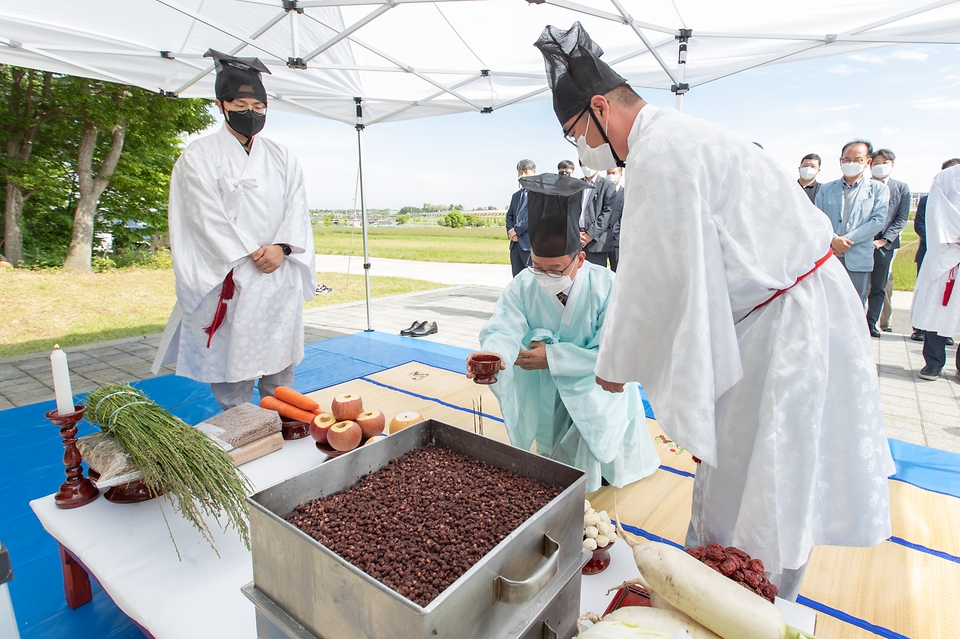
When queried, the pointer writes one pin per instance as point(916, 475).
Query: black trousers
point(935, 350)
point(878, 284)
point(600, 259)
point(518, 258)
point(614, 259)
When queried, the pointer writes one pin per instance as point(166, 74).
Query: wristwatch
point(286, 248)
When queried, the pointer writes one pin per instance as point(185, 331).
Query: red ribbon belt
point(948, 289)
point(819, 263)
point(226, 293)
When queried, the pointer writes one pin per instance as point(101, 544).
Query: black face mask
point(247, 122)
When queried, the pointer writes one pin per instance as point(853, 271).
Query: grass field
point(43, 308)
point(487, 245)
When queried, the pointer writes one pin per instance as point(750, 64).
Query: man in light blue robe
point(546, 330)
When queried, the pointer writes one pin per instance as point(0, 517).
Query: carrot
point(292, 397)
point(286, 410)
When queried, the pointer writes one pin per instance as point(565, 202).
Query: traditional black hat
point(238, 77)
point(554, 203)
point(574, 69)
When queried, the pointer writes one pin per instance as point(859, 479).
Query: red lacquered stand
point(77, 490)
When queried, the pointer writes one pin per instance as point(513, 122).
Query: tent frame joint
point(680, 88)
point(168, 94)
point(830, 37)
point(291, 5)
point(684, 35)
point(486, 110)
point(296, 63)
point(484, 73)
point(167, 55)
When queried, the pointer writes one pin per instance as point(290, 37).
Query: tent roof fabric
point(419, 58)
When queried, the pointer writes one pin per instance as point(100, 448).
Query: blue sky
point(903, 98)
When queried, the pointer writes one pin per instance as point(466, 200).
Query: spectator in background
point(615, 175)
point(857, 207)
point(596, 236)
point(919, 225)
point(936, 304)
point(517, 221)
point(809, 168)
point(886, 242)
point(566, 167)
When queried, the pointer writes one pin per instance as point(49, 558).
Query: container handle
point(519, 592)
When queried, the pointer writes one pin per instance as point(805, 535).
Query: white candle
point(61, 381)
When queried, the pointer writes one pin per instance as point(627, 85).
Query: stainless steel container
point(516, 590)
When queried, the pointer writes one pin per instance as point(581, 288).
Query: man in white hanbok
point(744, 330)
point(242, 249)
point(546, 325)
point(936, 304)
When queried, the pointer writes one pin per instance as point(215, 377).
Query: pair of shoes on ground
point(930, 373)
point(874, 331)
point(420, 329)
point(917, 335)
point(322, 289)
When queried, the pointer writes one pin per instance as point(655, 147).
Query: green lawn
point(487, 245)
point(43, 308)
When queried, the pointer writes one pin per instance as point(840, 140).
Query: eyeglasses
point(568, 134)
point(553, 274)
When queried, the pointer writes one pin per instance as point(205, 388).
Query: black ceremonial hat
point(554, 203)
point(575, 71)
point(238, 77)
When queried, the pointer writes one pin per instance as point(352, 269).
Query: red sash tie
point(948, 288)
point(819, 263)
point(226, 293)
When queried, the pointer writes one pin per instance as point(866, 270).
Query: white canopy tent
point(401, 59)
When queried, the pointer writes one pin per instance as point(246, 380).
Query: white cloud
point(869, 58)
point(936, 104)
point(910, 54)
point(845, 69)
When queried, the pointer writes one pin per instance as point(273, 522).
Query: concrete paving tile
point(23, 399)
point(9, 371)
point(5, 403)
point(937, 419)
point(951, 444)
point(23, 384)
point(907, 435)
point(896, 394)
point(906, 413)
point(927, 411)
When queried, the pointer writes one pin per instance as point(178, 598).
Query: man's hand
point(879, 244)
point(534, 359)
point(610, 387)
point(512, 234)
point(840, 245)
point(470, 372)
point(585, 238)
point(268, 258)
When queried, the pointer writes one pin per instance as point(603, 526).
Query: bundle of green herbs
point(175, 459)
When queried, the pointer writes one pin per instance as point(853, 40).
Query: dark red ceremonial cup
point(485, 367)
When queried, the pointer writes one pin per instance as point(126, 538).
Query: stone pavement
point(916, 411)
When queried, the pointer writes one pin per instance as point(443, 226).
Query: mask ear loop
point(603, 133)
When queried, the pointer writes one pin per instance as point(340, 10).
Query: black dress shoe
point(415, 326)
point(917, 335)
point(930, 373)
point(424, 329)
point(888, 329)
point(950, 342)
point(874, 331)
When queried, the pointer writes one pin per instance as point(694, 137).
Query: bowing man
point(731, 310)
point(242, 249)
point(546, 328)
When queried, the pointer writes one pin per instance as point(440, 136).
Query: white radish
point(654, 620)
point(715, 601)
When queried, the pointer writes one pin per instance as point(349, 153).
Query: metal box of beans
point(433, 532)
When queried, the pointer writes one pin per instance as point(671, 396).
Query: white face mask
point(553, 285)
point(852, 169)
point(808, 172)
point(881, 171)
point(601, 157)
point(614, 177)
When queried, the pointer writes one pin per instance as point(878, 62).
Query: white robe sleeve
point(205, 243)
point(669, 325)
point(296, 230)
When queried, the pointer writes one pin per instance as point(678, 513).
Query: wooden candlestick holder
point(77, 490)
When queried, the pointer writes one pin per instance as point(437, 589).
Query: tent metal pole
point(681, 87)
point(363, 212)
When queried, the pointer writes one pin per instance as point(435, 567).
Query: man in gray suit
point(887, 241)
point(857, 207)
point(596, 236)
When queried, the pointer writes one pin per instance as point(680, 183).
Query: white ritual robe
point(943, 253)
point(571, 419)
point(782, 405)
point(224, 205)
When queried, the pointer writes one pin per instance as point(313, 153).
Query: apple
point(346, 407)
point(320, 425)
point(375, 438)
point(371, 423)
point(344, 436)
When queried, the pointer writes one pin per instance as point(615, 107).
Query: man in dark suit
point(517, 221)
point(615, 175)
point(596, 237)
point(887, 241)
point(920, 227)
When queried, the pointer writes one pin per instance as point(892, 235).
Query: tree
point(454, 220)
point(26, 95)
point(474, 220)
point(402, 219)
